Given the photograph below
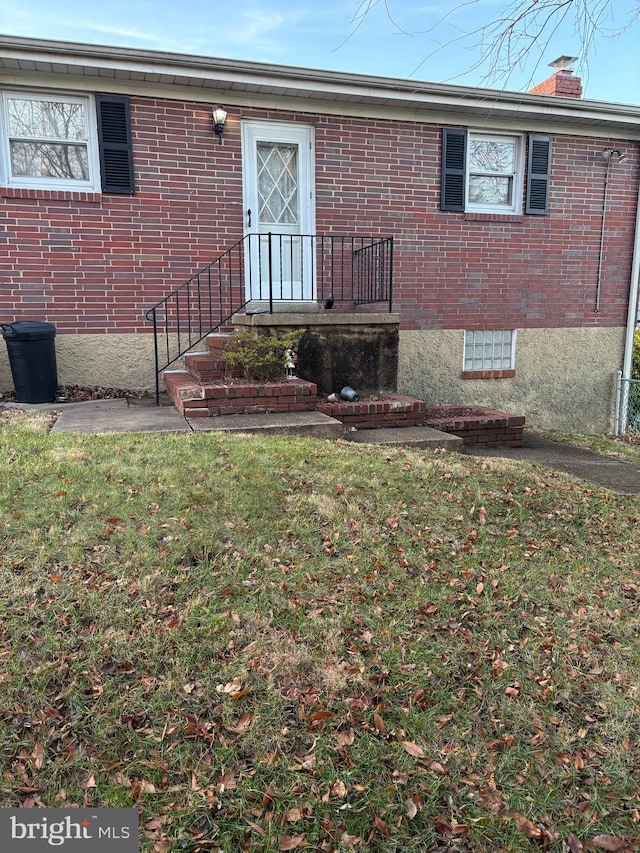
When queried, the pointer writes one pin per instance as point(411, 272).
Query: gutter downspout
point(633, 298)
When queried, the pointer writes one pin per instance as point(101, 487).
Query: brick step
point(478, 425)
point(205, 367)
point(211, 399)
point(205, 396)
point(217, 342)
point(392, 410)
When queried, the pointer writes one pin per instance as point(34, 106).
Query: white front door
point(279, 214)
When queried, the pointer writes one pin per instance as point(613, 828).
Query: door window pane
point(277, 183)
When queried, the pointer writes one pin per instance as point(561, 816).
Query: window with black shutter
point(114, 139)
point(483, 172)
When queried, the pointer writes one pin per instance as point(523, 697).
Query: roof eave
point(69, 59)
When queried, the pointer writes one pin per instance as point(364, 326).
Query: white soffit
point(63, 65)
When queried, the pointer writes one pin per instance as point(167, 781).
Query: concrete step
point(413, 436)
point(311, 424)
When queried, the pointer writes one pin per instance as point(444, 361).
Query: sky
point(396, 38)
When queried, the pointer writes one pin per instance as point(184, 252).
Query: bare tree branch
point(505, 42)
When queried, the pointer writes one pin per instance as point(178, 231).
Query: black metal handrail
point(267, 269)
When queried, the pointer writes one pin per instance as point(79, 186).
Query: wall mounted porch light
point(219, 118)
point(609, 152)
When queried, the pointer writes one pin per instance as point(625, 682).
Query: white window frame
point(43, 183)
point(497, 348)
point(517, 175)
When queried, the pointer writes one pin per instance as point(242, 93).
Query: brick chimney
point(562, 84)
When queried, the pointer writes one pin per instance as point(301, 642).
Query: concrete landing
point(114, 416)
point(312, 424)
point(415, 436)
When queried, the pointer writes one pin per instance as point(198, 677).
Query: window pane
point(46, 119)
point(46, 160)
point(277, 183)
point(491, 156)
point(485, 190)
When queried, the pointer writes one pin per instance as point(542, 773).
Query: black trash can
point(32, 357)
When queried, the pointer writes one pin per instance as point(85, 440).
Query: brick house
point(513, 216)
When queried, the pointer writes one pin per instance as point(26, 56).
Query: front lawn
point(283, 644)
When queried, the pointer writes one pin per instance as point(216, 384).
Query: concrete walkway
point(134, 415)
point(119, 415)
point(605, 471)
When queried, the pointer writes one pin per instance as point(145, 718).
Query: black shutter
point(454, 154)
point(538, 173)
point(114, 137)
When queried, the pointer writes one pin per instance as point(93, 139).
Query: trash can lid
point(28, 330)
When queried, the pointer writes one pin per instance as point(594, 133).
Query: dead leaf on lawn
point(413, 749)
point(233, 686)
point(575, 845)
point(290, 842)
point(529, 829)
point(339, 789)
point(317, 719)
point(610, 843)
point(381, 826)
point(378, 722)
point(294, 815)
point(38, 755)
point(412, 809)
point(234, 689)
point(240, 726)
point(400, 778)
point(345, 738)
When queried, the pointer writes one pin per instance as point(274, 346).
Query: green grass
point(270, 644)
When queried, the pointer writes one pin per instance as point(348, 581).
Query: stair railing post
point(270, 251)
point(390, 274)
point(156, 355)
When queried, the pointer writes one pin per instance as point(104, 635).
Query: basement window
point(49, 142)
point(489, 352)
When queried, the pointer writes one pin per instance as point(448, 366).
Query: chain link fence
point(627, 405)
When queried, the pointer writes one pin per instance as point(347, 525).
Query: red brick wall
point(93, 263)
